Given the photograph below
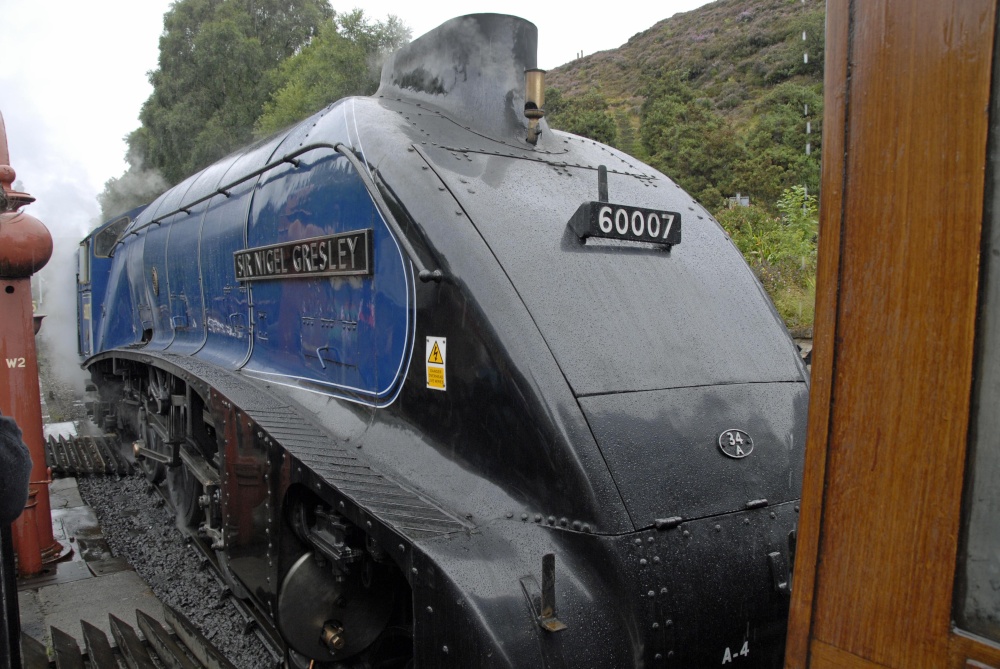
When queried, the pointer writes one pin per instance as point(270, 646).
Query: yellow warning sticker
point(437, 351)
point(435, 377)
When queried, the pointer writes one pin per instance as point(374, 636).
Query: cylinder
point(25, 247)
point(20, 397)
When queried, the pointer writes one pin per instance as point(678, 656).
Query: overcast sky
point(74, 78)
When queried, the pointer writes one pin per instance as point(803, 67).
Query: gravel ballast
point(140, 528)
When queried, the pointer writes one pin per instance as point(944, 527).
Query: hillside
point(722, 100)
point(715, 97)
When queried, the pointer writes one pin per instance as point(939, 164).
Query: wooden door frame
point(907, 94)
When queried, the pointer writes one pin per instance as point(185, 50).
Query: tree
point(775, 138)
point(230, 67)
point(212, 83)
point(688, 140)
point(377, 38)
point(344, 59)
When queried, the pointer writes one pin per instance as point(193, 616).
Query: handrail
point(224, 190)
point(423, 273)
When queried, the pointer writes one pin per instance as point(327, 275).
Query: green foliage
point(211, 84)
point(686, 138)
point(229, 68)
point(329, 68)
point(336, 64)
point(781, 250)
point(714, 156)
point(377, 38)
point(775, 138)
point(586, 115)
point(800, 215)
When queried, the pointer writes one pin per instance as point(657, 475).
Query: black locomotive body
point(448, 388)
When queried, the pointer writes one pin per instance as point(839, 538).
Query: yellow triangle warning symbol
point(435, 356)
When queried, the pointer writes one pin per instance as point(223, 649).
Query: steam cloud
point(54, 290)
point(135, 187)
point(56, 284)
point(54, 287)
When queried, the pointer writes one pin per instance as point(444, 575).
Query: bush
point(586, 115)
point(781, 251)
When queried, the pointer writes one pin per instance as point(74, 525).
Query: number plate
point(618, 221)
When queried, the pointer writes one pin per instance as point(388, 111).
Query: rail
point(423, 272)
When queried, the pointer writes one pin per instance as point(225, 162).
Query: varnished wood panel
point(982, 653)
point(903, 188)
point(825, 656)
point(828, 265)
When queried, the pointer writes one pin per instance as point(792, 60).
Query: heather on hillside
point(724, 99)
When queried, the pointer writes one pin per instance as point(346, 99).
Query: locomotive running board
point(346, 471)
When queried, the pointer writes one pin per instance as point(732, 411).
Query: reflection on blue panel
point(349, 336)
point(322, 330)
point(187, 308)
point(137, 283)
point(118, 325)
point(155, 252)
point(227, 326)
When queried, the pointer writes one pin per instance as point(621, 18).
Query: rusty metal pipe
point(25, 247)
point(25, 530)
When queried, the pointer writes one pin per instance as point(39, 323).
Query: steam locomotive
point(445, 387)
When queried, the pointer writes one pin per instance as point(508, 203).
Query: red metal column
point(25, 247)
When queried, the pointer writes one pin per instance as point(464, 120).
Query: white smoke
point(65, 205)
point(67, 208)
point(55, 286)
point(135, 187)
point(54, 289)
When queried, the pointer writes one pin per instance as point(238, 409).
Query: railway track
point(254, 620)
point(94, 457)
